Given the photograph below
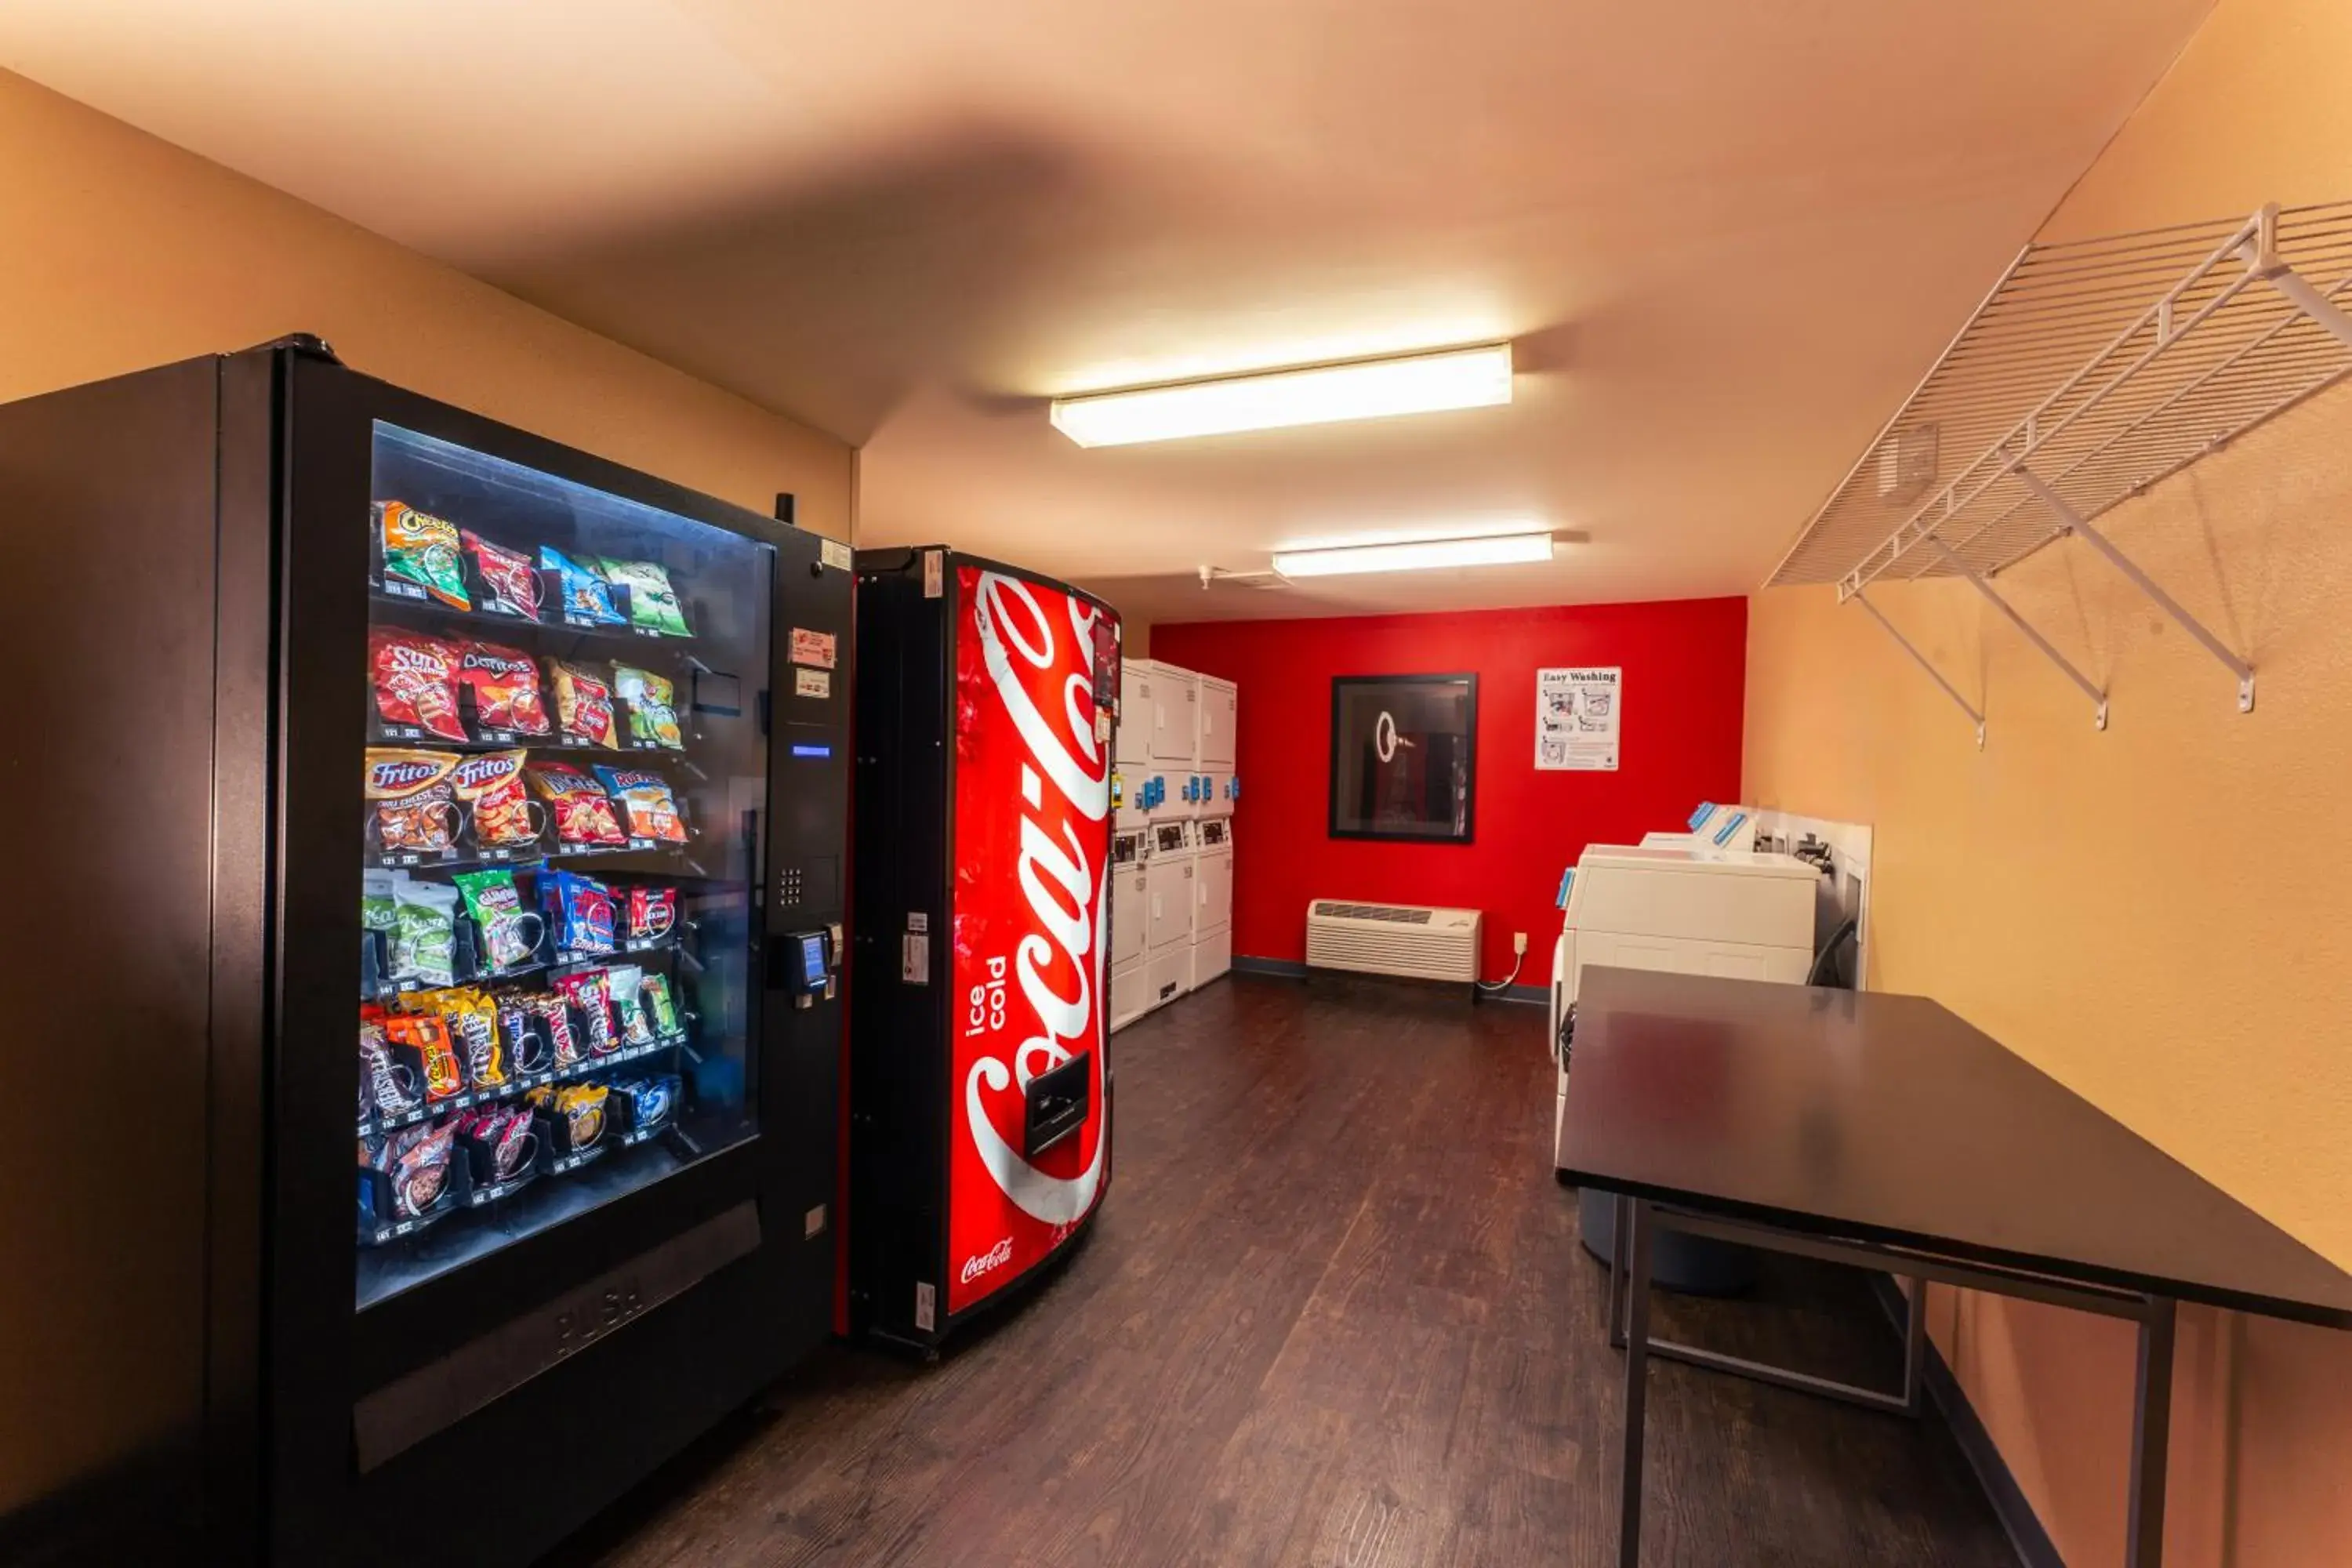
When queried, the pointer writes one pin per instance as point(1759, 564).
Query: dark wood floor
point(1333, 1312)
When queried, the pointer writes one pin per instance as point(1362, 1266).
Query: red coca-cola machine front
point(979, 1087)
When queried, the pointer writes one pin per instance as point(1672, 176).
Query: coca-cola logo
point(1064, 791)
point(997, 1257)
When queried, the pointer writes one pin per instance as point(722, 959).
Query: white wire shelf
point(2093, 369)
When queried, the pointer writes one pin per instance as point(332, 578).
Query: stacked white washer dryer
point(1172, 905)
point(1213, 831)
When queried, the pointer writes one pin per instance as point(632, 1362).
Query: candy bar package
point(587, 599)
point(661, 1008)
point(651, 703)
point(472, 1023)
point(653, 603)
point(509, 584)
point(579, 909)
point(509, 933)
point(416, 807)
point(422, 550)
point(626, 982)
point(652, 912)
point(424, 940)
point(564, 1040)
point(648, 808)
point(505, 816)
point(428, 1036)
point(388, 1085)
point(583, 812)
point(590, 992)
point(581, 1109)
point(504, 1138)
point(505, 684)
point(417, 1161)
point(650, 1099)
point(416, 679)
point(530, 1045)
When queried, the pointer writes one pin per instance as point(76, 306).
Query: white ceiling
point(1727, 235)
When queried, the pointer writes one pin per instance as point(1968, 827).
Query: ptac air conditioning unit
point(1410, 940)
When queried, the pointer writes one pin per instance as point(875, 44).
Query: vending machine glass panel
point(558, 830)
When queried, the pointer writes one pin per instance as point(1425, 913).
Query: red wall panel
point(1686, 675)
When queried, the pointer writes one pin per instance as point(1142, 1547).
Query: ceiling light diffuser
point(1320, 394)
point(1417, 555)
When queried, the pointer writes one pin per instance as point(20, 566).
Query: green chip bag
point(422, 550)
point(379, 910)
point(424, 940)
point(652, 704)
point(653, 603)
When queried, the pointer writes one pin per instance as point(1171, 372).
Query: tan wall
point(2152, 914)
point(121, 251)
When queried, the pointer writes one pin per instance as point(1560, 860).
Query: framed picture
point(1404, 759)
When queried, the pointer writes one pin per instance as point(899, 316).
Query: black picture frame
point(1352, 823)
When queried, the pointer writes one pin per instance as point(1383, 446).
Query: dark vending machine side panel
point(808, 922)
point(898, 1070)
point(138, 636)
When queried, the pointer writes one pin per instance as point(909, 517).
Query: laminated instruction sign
point(1577, 712)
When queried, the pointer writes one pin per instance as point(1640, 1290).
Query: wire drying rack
point(2094, 369)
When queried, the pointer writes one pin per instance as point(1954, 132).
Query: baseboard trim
point(1291, 969)
point(2022, 1525)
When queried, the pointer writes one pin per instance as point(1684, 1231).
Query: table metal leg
point(1633, 1246)
point(2151, 1435)
point(1914, 1349)
point(1619, 1208)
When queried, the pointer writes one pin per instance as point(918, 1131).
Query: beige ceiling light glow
point(1417, 555)
point(1272, 400)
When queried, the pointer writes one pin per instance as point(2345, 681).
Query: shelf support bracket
point(2081, 529)
point(2306, 296)
point(2049, 650)
point(1921, 659)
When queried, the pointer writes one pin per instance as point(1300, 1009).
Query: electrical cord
point(1518, 962)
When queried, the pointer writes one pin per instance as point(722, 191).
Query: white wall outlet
point(1519, 944)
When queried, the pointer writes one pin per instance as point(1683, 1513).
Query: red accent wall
point(1686, 681)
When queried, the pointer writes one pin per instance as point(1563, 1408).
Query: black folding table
point(1883, 1132)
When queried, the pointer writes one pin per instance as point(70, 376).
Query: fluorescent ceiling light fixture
point(1319, 395)
point(1417, 555)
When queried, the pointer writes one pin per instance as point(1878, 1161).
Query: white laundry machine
point(1212, 904)
point(1171, 893)
point(1130, 908)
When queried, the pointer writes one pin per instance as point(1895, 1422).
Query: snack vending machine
point(980, 1105)
point(524, 773)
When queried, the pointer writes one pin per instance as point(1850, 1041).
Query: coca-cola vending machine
point(979, 1089)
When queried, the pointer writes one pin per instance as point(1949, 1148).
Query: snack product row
point(414, 1176)
point(451, 1047)
point(431, 558)
point(478, 924)
point(426, 685)
point(503, 804)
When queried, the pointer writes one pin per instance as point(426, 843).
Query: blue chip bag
point(587, 598)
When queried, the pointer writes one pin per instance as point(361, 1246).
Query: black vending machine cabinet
point(979, 1087)
point(374, 761)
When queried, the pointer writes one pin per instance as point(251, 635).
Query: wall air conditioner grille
point(1400, 915)
point(1405, 940)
